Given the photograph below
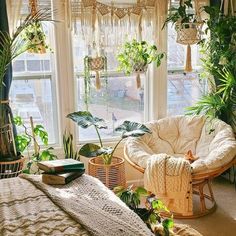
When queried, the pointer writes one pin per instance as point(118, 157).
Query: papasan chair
point(211, 140)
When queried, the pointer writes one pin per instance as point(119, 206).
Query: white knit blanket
point(94, 206)
point(169, 178)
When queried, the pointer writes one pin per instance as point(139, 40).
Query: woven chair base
point(199, 182)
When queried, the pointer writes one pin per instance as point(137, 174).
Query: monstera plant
point(11, 46)
point(85, 119)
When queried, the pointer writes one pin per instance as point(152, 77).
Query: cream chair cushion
point(211, 140)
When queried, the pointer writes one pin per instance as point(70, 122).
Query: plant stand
point(112, 175)
point(10, 169)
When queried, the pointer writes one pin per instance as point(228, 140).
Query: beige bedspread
point(29, 207)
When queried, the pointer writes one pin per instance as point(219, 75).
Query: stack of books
point(61, 171)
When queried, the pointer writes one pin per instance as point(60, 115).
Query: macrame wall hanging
point(35, 33)
point(189, 33)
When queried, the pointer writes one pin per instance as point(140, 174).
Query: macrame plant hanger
point(35, 32)
point(226, 6)
point(188, 34)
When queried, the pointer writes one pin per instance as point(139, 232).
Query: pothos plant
point(25, 139)
point(134, 54)
point(35, 34)
point(184, 13)
point(85, 119)
point(151, 213)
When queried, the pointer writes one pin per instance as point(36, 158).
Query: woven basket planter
point(10, 169)
point(188, 33)
point(112, 175)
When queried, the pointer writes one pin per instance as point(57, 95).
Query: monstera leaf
point(132, 129)
point(85, 119)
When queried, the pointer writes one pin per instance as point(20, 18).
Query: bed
point(83, 207)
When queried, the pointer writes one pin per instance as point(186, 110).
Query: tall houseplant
point(85, 119)
point(10, 48)
point(219, 63)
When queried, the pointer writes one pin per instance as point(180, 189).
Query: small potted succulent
point(135, 56)
point(103, 164)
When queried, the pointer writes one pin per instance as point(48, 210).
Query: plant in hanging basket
point(135, 56)
point(35, 34)
point(85, 119)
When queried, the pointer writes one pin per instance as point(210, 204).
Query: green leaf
point(85, 119)
point(141, 191)
point(22, 142)
point(168, 223)
point(18, 120)
point(132, 129)
point(40, 131)
point(90, 150)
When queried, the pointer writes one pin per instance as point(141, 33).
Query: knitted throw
point(94, 206)
point(169, 178)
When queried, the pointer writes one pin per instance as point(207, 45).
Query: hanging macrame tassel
point(188, 64)
point(98, 82)
point(138, 81)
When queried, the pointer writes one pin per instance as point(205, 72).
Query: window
point(118, 99)
point(33, 89)
point(184, 89)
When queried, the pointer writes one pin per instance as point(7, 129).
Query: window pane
point(184, 89)
point(35, 98)
point(120, 100)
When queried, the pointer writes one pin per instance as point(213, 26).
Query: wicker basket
point(10, 169)
point(112, 175)
point(188, 33)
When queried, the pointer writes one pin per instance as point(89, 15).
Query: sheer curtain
point(14, 13)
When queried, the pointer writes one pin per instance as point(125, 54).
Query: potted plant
point(35, 34)
point(151, 214)
point(135, 56)
point(187, 25)
point(104, 165)
point(10, 48)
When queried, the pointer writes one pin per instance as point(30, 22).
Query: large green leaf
point(85, 119)
point(132, 129)
point(89, 150)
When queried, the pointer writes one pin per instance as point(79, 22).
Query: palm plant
point(220, 64)
point(85, 119)
point(10, 48)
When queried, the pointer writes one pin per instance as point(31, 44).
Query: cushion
point(211, 140)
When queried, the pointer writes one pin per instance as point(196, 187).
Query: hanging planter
point(188, 26)
point(134, 57)
point(97, 65)
point(37, 37)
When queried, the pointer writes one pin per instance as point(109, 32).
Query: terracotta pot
point(111, 175)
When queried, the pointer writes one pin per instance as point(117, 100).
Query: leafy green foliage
point(180, 14)
point(135, 53)
point(151, 214)
point(132, 129)
point(219, 63)
point(69, 148)
point(85, 119)
point(24, 141)
point(128, 129)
